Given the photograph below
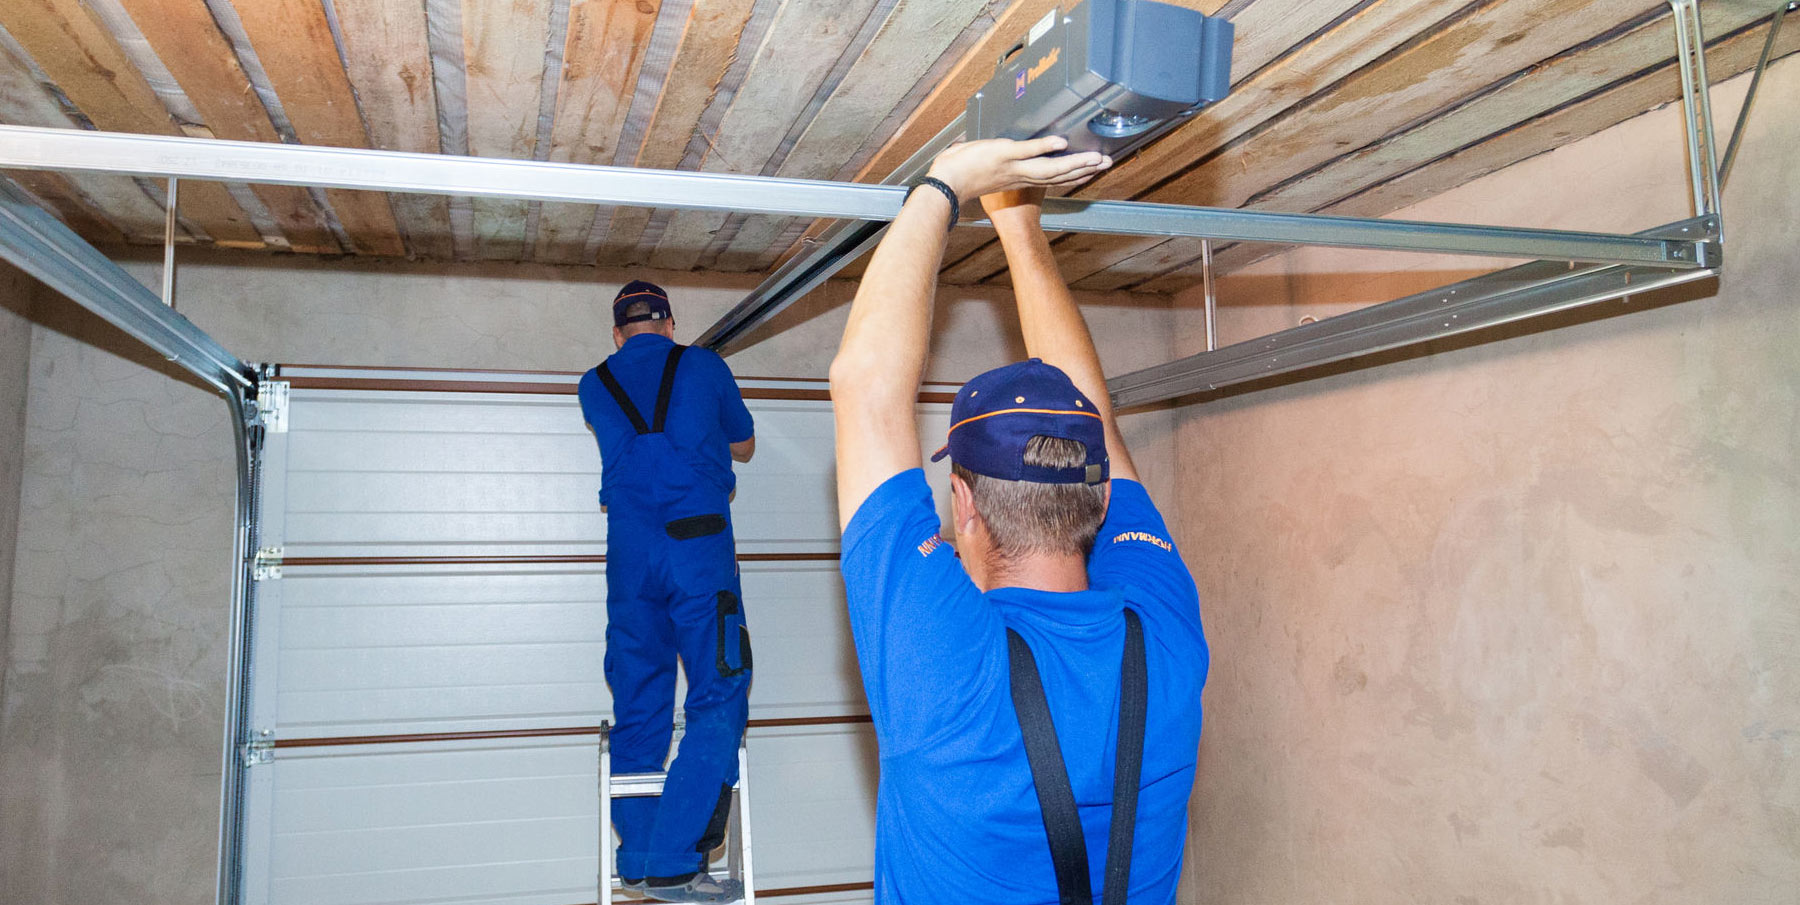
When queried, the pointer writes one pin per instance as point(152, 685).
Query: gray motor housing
point(1141, 67)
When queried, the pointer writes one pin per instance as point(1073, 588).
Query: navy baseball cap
point(638, 291)
point(998, 412)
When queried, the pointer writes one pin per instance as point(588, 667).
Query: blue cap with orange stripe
point(996, 414)
point(640, 292)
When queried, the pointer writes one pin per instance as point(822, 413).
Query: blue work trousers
point(673, 591)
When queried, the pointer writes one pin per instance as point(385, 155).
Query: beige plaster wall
point(1514, 622)
point(109, 736)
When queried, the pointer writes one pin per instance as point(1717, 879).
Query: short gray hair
point(1026, 517)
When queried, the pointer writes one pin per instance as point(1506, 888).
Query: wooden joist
point(187, 41)
point(389, 65)
point(77, 53)
point(707, 45)
point(601, 57)
point(503, 64)
point(1728, 56)
point(803, 44)
point(1279, 62)
point(294, 44)
point(908, 43)
point(943, 105)
point(99, 206)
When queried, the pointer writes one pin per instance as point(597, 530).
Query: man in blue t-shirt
point(670, 420)
point(1064, 587)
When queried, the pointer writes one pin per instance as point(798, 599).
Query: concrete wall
point(1514, 622)
point(109, 745)
point(16, 294)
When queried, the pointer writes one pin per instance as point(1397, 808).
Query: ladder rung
point(637, 785)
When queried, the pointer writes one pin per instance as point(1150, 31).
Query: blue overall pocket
point(734, 637)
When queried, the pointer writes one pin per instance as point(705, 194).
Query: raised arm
point(1053, 327)
point(875, 377)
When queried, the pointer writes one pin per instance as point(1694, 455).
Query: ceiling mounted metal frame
point(1506, 296)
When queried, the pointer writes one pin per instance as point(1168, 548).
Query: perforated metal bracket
point(272, 405)
point(261, 751)
point(267, 564)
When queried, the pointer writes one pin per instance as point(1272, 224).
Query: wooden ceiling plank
point(1272, 82)
point(951, 97)
point(1456, 62)
point(503, 63)
point(803, 44)
point(185, 38)
point(909, 42)
point(389, 57)
point(1730, 56)
point(122, 203)
point(77, 53)
point(293, 42)
point(708, 44)
point(68, 203)
point(601, 58)
point(942, 106)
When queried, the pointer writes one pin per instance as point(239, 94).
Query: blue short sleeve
point(926, 639)
point(734, 417)
point(1134, 550)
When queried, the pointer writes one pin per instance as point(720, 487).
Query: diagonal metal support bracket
point(42, 246)
point(1517, 293)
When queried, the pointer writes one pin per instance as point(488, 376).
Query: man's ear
point(962, 504)
point(618, 338)
point(669, 328)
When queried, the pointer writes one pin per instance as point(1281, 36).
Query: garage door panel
point(550, 881)
point(383, 625)
point(464, 491)
point(324, 714)
point(430, 661)
point(510, 820)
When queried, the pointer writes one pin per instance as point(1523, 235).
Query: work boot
point(701, 887)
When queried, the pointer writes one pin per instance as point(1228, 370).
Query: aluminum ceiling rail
point(355, 168)
point(42, 246)
point(1517, 293)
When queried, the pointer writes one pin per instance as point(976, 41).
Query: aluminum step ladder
point(609, 889)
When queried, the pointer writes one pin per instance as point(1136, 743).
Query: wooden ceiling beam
point(185, 38)
point(388, 54)
point(100, 206)
point(884, 73)
point(77, 53)
point(941, 107)
point(293, 42)
point(802, 46)
point(1735, 54)
point(1282, 61)
point(503, 65)
point(601, 58)
point(708, 44)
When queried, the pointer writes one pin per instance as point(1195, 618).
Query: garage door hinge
point(272, 405)
point(267, 564)
point(261, 751)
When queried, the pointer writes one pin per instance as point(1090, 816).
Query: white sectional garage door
point(426, 668)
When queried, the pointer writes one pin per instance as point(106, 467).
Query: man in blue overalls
point(669, 420)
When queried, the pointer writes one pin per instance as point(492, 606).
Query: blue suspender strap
point(1056, 799)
